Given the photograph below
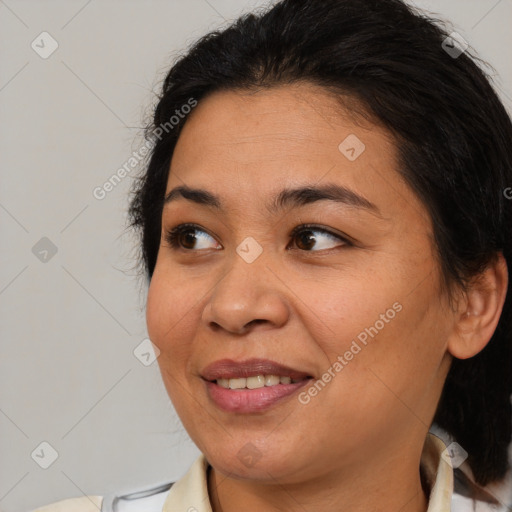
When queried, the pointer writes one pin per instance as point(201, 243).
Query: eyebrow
point(288, 197)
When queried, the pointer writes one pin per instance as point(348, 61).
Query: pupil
point(306, 240)
point(190, 238)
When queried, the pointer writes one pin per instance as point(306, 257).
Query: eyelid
point(172, 233)
point(315, 227)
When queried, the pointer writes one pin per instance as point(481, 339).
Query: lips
point(229, 384)
point(229, 369)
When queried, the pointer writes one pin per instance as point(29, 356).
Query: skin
point(357, 444)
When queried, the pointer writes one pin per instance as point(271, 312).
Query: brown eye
point(186, 236)
point(190, 237)
point(307, 238)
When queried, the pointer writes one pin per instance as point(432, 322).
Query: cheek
point(169, 318)
point(338, 311)
point(170, 312)
point(377, 325)
point(156, 314)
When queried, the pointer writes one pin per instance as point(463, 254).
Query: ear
point(479, 311)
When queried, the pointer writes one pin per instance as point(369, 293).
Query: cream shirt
point(190, 493)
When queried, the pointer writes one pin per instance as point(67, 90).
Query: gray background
point(71, 321)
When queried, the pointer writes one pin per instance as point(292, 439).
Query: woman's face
point(349, 308)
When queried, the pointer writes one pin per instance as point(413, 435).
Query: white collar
point(190, 493)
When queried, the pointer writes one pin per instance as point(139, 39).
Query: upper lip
point(230, 369)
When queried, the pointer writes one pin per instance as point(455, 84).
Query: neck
point(383, 490)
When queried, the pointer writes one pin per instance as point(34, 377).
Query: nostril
point(257, 321)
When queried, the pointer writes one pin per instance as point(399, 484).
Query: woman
point(326, 234)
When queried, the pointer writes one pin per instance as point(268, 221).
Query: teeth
point(237, 383)
point(271, 380)
point(258, 381)
point(223, 383)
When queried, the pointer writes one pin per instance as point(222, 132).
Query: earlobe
point(480, 311)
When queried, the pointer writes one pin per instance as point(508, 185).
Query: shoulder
point(83, 504)
point(467, 495)
point(150, 499)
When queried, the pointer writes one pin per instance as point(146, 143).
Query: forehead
point(244, 144)
point(293, 121)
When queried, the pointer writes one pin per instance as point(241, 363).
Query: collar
point(190, 493)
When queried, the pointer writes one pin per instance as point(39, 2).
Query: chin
point(270, 462)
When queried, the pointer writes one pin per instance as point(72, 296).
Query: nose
point(248, 295)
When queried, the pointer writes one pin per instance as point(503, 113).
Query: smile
point(250, 386)
point(256, 382)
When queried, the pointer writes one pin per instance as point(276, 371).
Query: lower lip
point(251, 400)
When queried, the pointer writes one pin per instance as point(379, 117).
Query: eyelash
point(172, 235)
